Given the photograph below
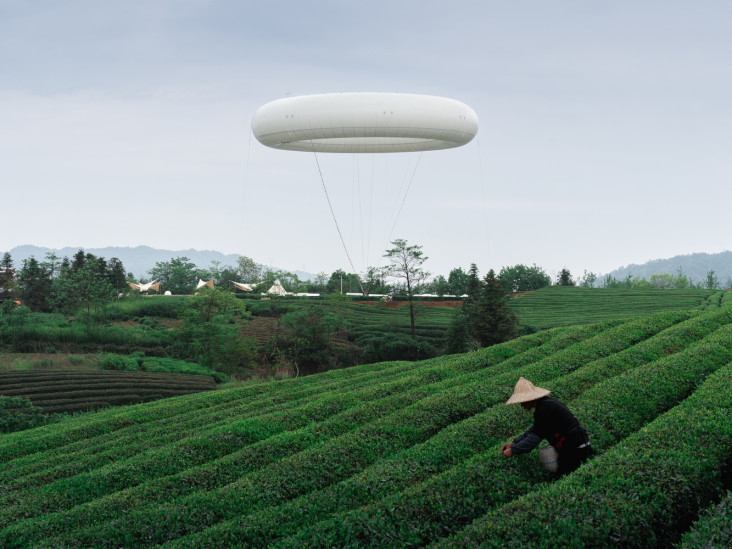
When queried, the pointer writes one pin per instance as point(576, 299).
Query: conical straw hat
point(526, 391)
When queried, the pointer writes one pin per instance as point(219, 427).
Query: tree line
point(80, 285)
point(63, 284)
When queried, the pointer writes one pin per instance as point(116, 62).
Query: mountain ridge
point(694, 265)
point(137, 260)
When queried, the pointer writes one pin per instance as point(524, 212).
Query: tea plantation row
point(564, 306)
point(389, 454)
point(56, 391)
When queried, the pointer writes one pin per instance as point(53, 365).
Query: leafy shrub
point(209, 338)
point(307, 336)
point(138, 361)
point(118, 362)
point(527, 329)
point(154, 306)
point(18, 414)
point(397, 347)
point(150, 323)
point(275, 307)
point(713, 529)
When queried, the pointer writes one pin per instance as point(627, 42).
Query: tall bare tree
point(406, 264)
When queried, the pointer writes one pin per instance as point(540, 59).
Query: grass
point(43, 361)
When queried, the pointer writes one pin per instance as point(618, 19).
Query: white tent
point(244, 287)
point(202, 283)
point(145, 287)
point(277, 289)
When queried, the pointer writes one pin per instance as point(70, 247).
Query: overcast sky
point(605, 129)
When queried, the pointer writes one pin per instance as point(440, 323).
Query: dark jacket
point(554, 422)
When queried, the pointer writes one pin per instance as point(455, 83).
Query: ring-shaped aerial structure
point(363, 122)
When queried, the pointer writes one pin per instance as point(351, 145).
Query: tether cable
point(330, 205)
point(244, 190)
point(404, 198)
point(482, 189)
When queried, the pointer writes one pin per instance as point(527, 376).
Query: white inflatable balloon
point(364, 123)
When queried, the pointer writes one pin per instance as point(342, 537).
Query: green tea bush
point(39, 337)
point(140, 306)
point(18, 414)
point(390, 454)
point(727, 298)
point(137, 361)
point(713, 529)
point(422, 512)
point(396, 347)
point(562, 306)
point(125, 441)
point(230, 467)
point(109, 428)
point(319, 467)
point(642, 493)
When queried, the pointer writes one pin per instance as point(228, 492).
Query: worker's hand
point(506, 449)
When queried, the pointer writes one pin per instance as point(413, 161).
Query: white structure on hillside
point(277, 289)
point(145, 287)
point(209, 283)
point(243, 287)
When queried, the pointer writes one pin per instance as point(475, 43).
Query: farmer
point(552, 421)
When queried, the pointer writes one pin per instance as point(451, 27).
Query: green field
point(368, 321)
point(565, 306)
point(549, 307)
point(398, 454)
point(135, 324)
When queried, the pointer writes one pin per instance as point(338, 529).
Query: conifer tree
point(565, 278)
point(470, 308)
point(495, 322)
point(79, 260)
point(7, 277)
point(34, 282)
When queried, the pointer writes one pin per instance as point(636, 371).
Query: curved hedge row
point(713, 529)
point(124, 440)
point(105, 477)
point(113, 420)
point(68, 390)
point(360, 446)
point(390, 454)
point(423, 512)
point(578, 347)
point(643, 493)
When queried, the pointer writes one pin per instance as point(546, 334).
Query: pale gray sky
point(605, 137)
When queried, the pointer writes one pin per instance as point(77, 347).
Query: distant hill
point(138, 260)
point(695, 266)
